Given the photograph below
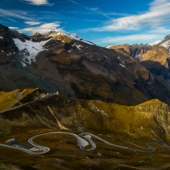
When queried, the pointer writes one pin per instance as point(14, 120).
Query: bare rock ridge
point(75, 67)
point(135, 50)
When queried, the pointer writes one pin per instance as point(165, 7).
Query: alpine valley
point(62, 83)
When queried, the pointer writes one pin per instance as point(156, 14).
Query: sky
point(103, 22)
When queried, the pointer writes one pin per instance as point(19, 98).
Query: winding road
point(83, 139)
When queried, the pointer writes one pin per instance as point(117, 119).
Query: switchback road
point(83, 139)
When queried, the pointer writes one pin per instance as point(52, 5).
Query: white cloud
point(32, 23)
point(44, 28)
point(130, 39)
point(160, 30)
point(8, 18)
point(14, 14)
point(38, 2)
point(98, 11)
point(157, 15)
point(73, 2)
point(13, 28)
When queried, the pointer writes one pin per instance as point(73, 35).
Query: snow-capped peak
point(74, 36)
point(165, 44)
point(155, 42)
point(109, 45)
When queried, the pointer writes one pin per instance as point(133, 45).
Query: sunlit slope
point(9, 99)
point(131, 126)
point(148, 120)
point(144, 120)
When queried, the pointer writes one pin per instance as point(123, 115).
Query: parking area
point(16, 144)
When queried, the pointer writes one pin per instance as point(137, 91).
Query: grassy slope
point(122, 125)
point(8, 99)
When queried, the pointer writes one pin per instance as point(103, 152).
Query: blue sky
point(100, 21)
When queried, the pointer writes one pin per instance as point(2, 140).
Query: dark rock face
point(155, 59)
point(6, 42)
point(157, 68)
point(78, 69)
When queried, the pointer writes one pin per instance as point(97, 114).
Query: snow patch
point(87, 42)
point(78, 38)
point(166, 44)
point(2, 51)
point(75, 36)
point(1, 37)
point(122, 65)
point(77, 46)
point(155, 42)
point(120, 59)
point(109, 45)
point(30, 49)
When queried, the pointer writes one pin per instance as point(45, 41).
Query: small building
point(11, 141)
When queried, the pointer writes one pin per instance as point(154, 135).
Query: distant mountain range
point(78, 68)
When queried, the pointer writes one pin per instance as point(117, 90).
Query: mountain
point(157, 60)
point(155, 42)
point(154, 57)
point(74, 36)
point(165, 42)
point(75, 67)
point(134, 50)
point(34, 111)
point(63, 83)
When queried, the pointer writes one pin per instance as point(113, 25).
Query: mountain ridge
point(78, 69)
point(69, 83)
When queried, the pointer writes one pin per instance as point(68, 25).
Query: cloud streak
point(73, 2)
point(98, 11)
point(157, 15)
point(44, 28)
point(32, 23)
point(38, 2)
point(14, 14)
point(13, 28)
point(131, 39)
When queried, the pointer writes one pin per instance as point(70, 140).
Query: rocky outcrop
point(6, 43)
